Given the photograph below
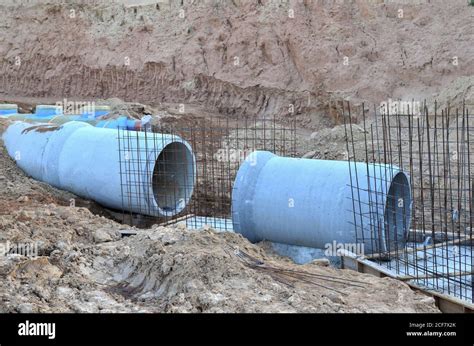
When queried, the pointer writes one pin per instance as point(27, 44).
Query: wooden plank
point(349, 263)
point(448, 307)
point(173, 221)
point(445, 303)
point(442, 275)
point(411, 250)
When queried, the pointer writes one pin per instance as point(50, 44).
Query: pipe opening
point(397, 212)
point(173, 178)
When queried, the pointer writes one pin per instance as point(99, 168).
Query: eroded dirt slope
point(239, 57)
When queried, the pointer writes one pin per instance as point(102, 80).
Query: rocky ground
point(84, 265)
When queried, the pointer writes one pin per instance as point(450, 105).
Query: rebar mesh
point(200, 195)
point(434, 247)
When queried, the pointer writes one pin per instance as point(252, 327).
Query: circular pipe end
point(397, 213)
point(173, 179)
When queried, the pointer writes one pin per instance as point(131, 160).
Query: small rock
point(210, 299)
point(71, 219)
point(206, 228)
point(166, 267)
point(335, 298)
point(103, 235)
point(37, 268)
point(25, 308)
point(170, 238)
point(84, 307)
point(181, 226)
point(65, 292)
point(323, 262)
point(24, 216)
point(293, 299)
point(309, 154)
point(23, 199)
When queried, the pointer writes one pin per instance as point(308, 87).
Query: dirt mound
point(176, 270)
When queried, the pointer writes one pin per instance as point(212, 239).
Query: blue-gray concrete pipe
point(121, 122)
point(8, 109)
point(84, 159)
point(48, 110)
point(310, 202)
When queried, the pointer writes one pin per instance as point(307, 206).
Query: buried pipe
point(124, 123)
point(45, 111)
point(311, 203)
point(157, 178)
point(94, 111)
point(54, 114)
point(121, 122)
point(48, 112)
point(8, 109)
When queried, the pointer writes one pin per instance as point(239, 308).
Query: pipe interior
point(397, 212)
point(173, 177)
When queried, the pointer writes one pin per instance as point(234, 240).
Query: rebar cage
point(432, 247)
point(195, 190)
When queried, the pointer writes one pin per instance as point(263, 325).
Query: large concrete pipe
point(311, 202)
point(157, 172)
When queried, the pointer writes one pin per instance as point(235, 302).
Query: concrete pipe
point(94, 111)
point(310, 202)
point(122, 122)
point(84, 159)
point(48, 110)
point(51, 119)
point(8, 109)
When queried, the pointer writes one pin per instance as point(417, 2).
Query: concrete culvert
point(397, 212)
point(311, 202)
point(152, 174)
point(173, 178)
